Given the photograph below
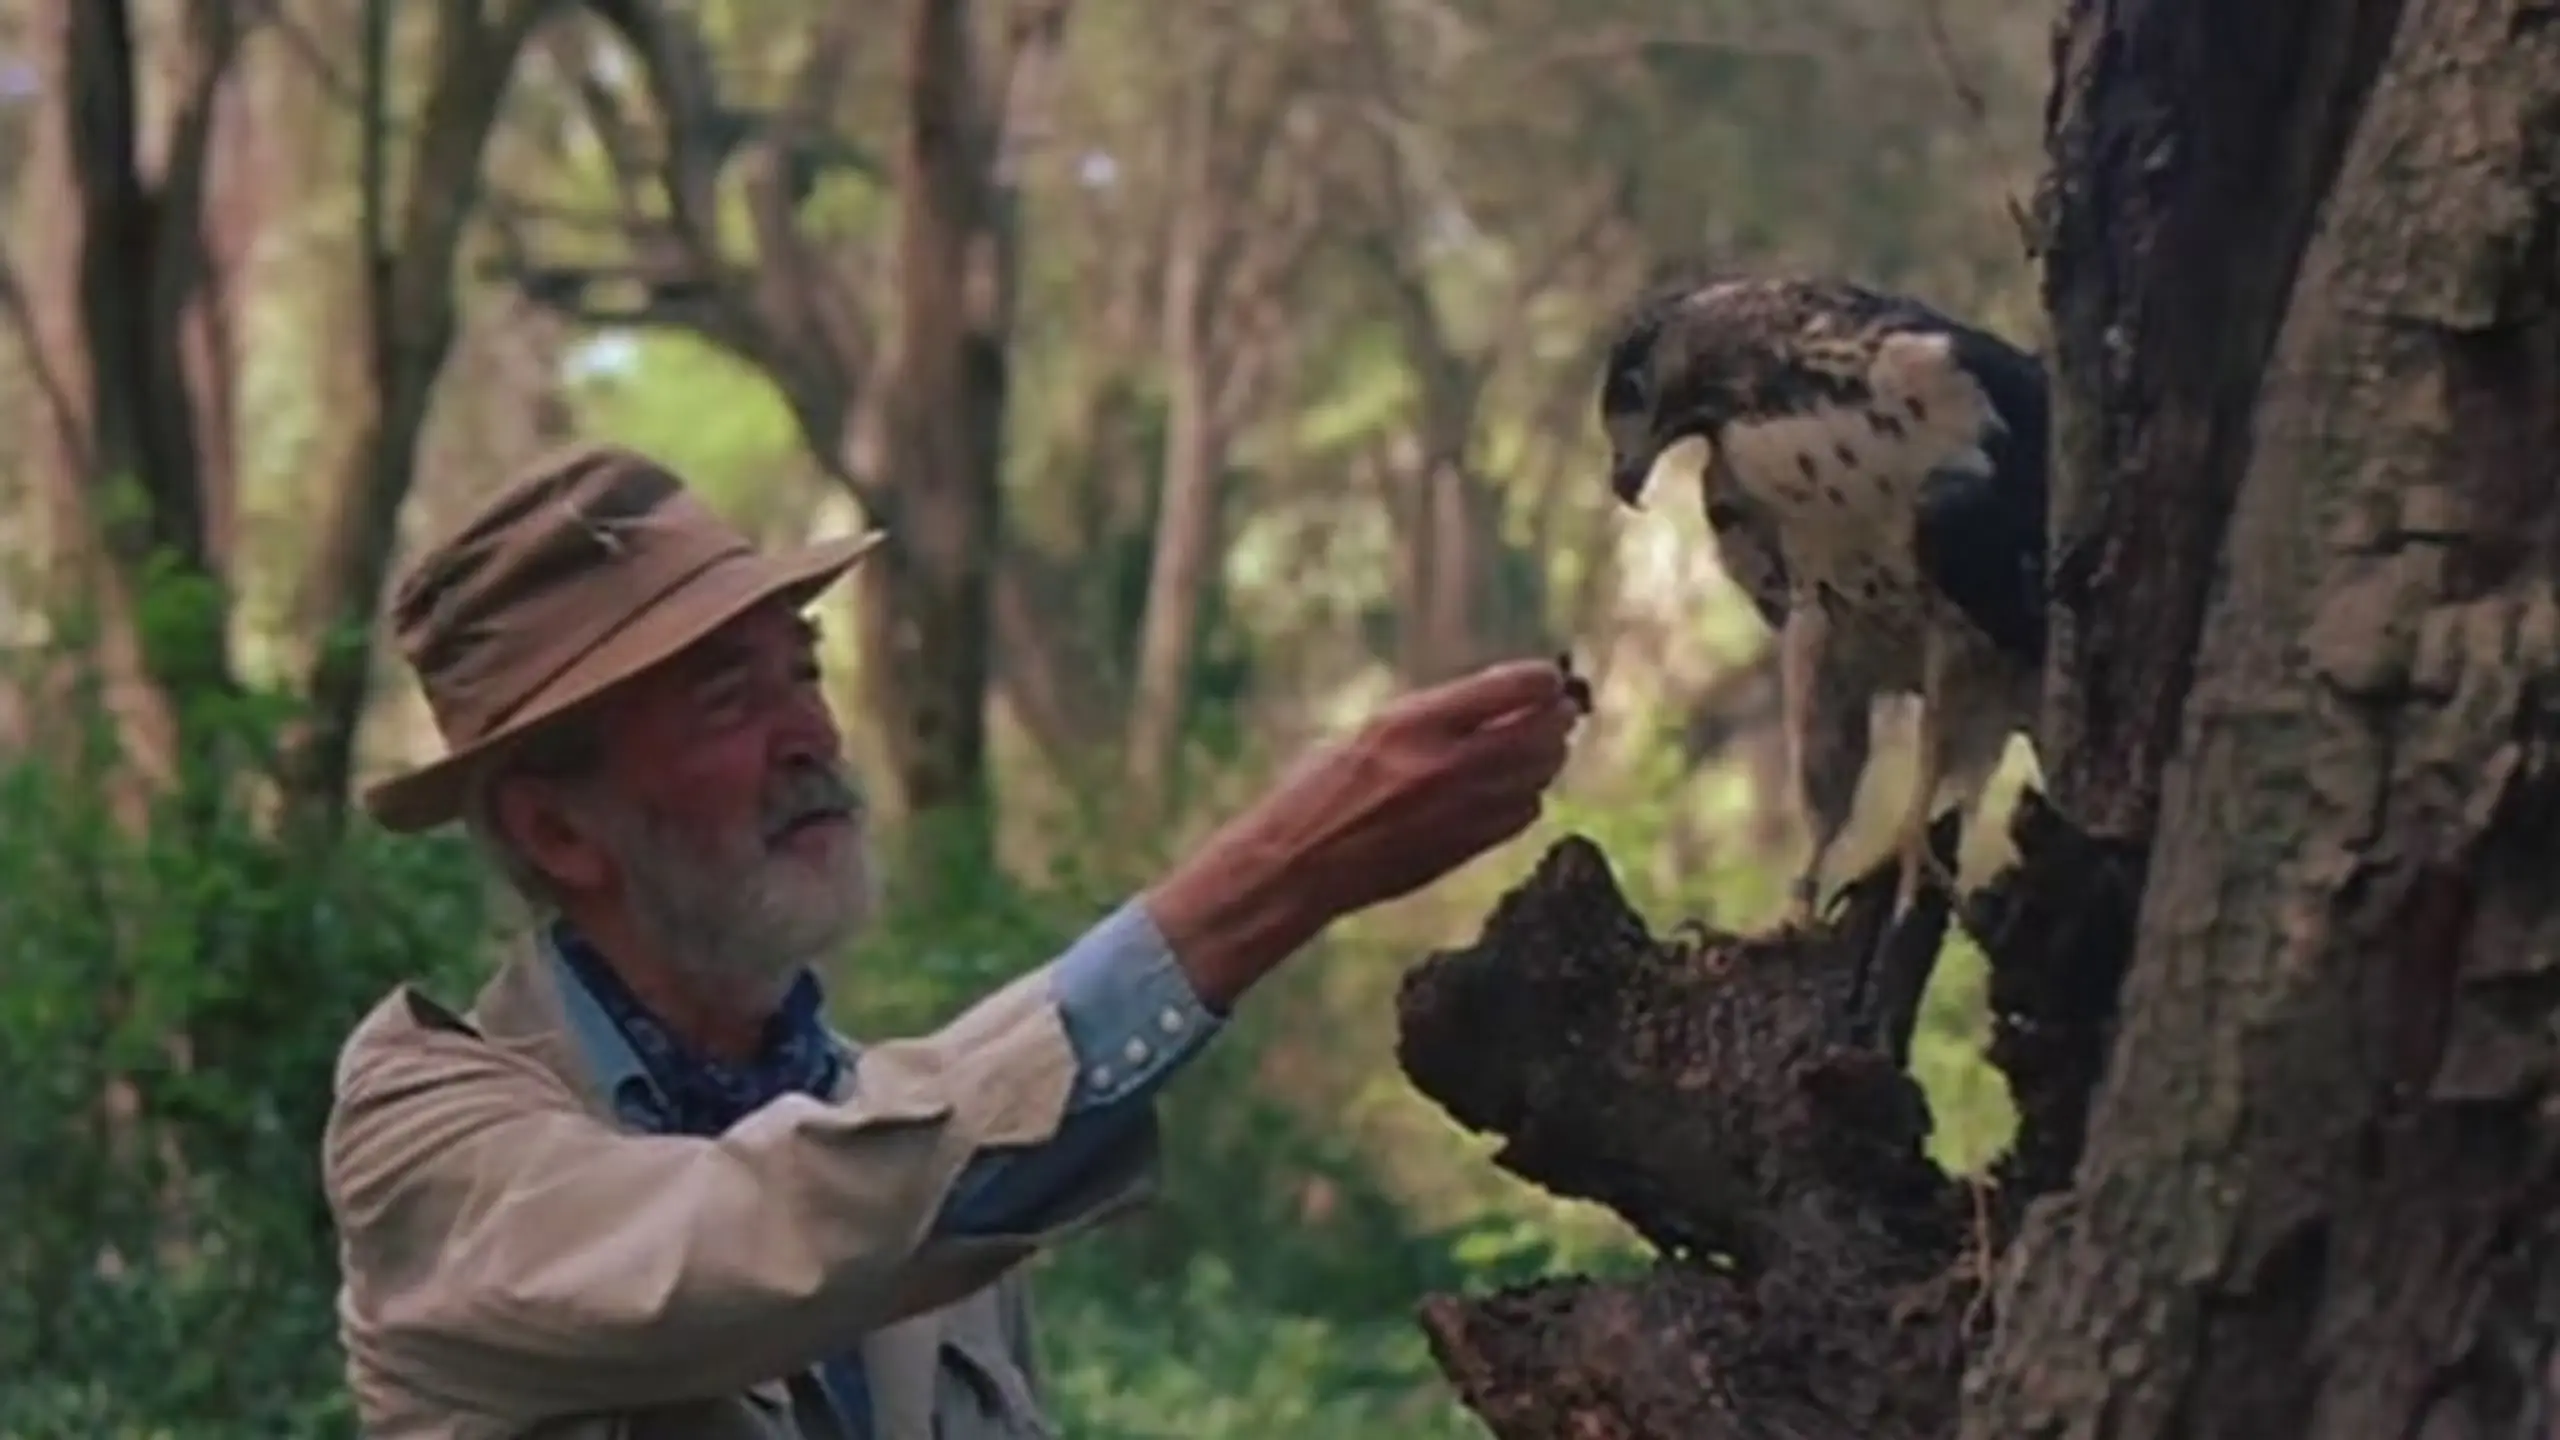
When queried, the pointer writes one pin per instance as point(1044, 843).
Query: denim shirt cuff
point(1131, 1014)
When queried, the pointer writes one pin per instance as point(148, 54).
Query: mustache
point(807, 793)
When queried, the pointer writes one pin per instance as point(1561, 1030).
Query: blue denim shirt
point(1129, 1012)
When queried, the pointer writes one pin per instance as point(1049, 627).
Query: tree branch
point(308, 48)
point(697, 130)
point(658, 300)
point(1821, 1278)
point(62, 408)
point(412, 312)
point(786, 310)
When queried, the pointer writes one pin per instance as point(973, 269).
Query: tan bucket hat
point(592, 566)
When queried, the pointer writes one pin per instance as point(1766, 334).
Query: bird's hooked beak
point(1627, 475)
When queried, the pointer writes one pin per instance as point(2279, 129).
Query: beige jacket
point(516, 1264)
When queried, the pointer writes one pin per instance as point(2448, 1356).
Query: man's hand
point(1429, 783)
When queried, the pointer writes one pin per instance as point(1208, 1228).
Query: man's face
point(734, 833)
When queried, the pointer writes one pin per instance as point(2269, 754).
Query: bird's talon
point(1918, 863)
point(1902, 910)
point(1805, 912)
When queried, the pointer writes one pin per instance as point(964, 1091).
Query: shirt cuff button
point(1135, 1052)
point(1170, 1020)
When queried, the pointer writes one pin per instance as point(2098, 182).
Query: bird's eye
point(1625, 394)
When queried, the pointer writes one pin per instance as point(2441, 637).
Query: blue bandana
point(694, 1094)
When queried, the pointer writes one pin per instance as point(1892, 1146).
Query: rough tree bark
point(2307, 301)
point(2317, 1199)
point(1820, 1276)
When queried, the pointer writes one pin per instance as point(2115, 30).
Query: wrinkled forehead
point(773, 631)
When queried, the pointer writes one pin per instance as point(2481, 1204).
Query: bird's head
point(1626, 417)
point(1635, 413)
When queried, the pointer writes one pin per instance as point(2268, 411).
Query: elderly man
point(639, 1188)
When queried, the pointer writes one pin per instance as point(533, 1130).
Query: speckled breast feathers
point(1875, 480)
point(1831, 419)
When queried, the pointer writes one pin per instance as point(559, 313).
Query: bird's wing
point(1747, 546)
point(1979, 526)
point(1751, 560)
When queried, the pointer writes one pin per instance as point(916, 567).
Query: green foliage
point(178, 991)
point(1968, 1099)
point(1201, 1356)
point(175, 995)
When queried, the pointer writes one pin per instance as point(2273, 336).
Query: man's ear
point(535, 816)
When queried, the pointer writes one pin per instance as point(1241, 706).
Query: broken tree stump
point(1819, 1275)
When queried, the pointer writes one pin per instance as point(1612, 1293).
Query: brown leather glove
point(1429, 783)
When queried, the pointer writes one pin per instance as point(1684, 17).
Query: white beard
point(736, 918)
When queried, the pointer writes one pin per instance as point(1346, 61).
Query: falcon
point(1875, 480)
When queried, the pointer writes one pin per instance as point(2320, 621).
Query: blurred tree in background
point(1217, 369)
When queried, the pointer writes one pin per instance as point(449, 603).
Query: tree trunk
point(1454, 603)
point(929, 616)
point(1183, 564)
point(1240, 226)
point(2317, 1195)
point(127, 308)
point(916, 434)
point(2298, 1177)
point(1459, 594)
point(1451, 610)
point(410, 313)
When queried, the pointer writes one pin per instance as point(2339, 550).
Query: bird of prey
point(1875, 480)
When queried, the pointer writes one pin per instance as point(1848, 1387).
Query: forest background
point(1221, 368)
